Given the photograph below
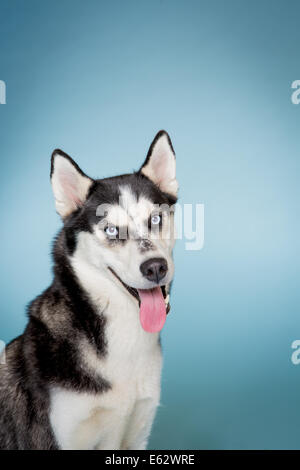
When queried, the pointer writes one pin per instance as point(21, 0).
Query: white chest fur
point(121, 417)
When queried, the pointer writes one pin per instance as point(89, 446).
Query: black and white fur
point(84, 374)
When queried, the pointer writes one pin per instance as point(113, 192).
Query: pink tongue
point(152, 310)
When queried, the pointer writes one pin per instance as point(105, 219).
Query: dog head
point(123, 225)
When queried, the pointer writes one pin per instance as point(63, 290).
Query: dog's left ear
point(70, 185)
point(160, 164)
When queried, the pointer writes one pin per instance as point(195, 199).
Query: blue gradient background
point(99, 79)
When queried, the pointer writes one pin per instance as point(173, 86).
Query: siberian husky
point(85, 374)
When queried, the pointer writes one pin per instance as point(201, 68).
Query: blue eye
point(112, 231)
point(155, 219)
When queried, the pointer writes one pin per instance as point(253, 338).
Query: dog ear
point(160, 164)
point(70, 185)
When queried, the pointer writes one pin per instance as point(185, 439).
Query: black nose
point(154, 269)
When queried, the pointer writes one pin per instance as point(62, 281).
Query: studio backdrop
point(98, 79)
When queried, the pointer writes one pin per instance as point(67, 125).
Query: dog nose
point(154, 269)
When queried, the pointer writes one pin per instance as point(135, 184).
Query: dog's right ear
point(70, 185)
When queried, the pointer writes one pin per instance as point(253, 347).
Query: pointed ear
point(160, 164)
point(70, 185)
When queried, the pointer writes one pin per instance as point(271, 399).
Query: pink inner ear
point(69, 184)
point(161, 167)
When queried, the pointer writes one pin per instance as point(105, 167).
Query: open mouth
point(154, 304)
